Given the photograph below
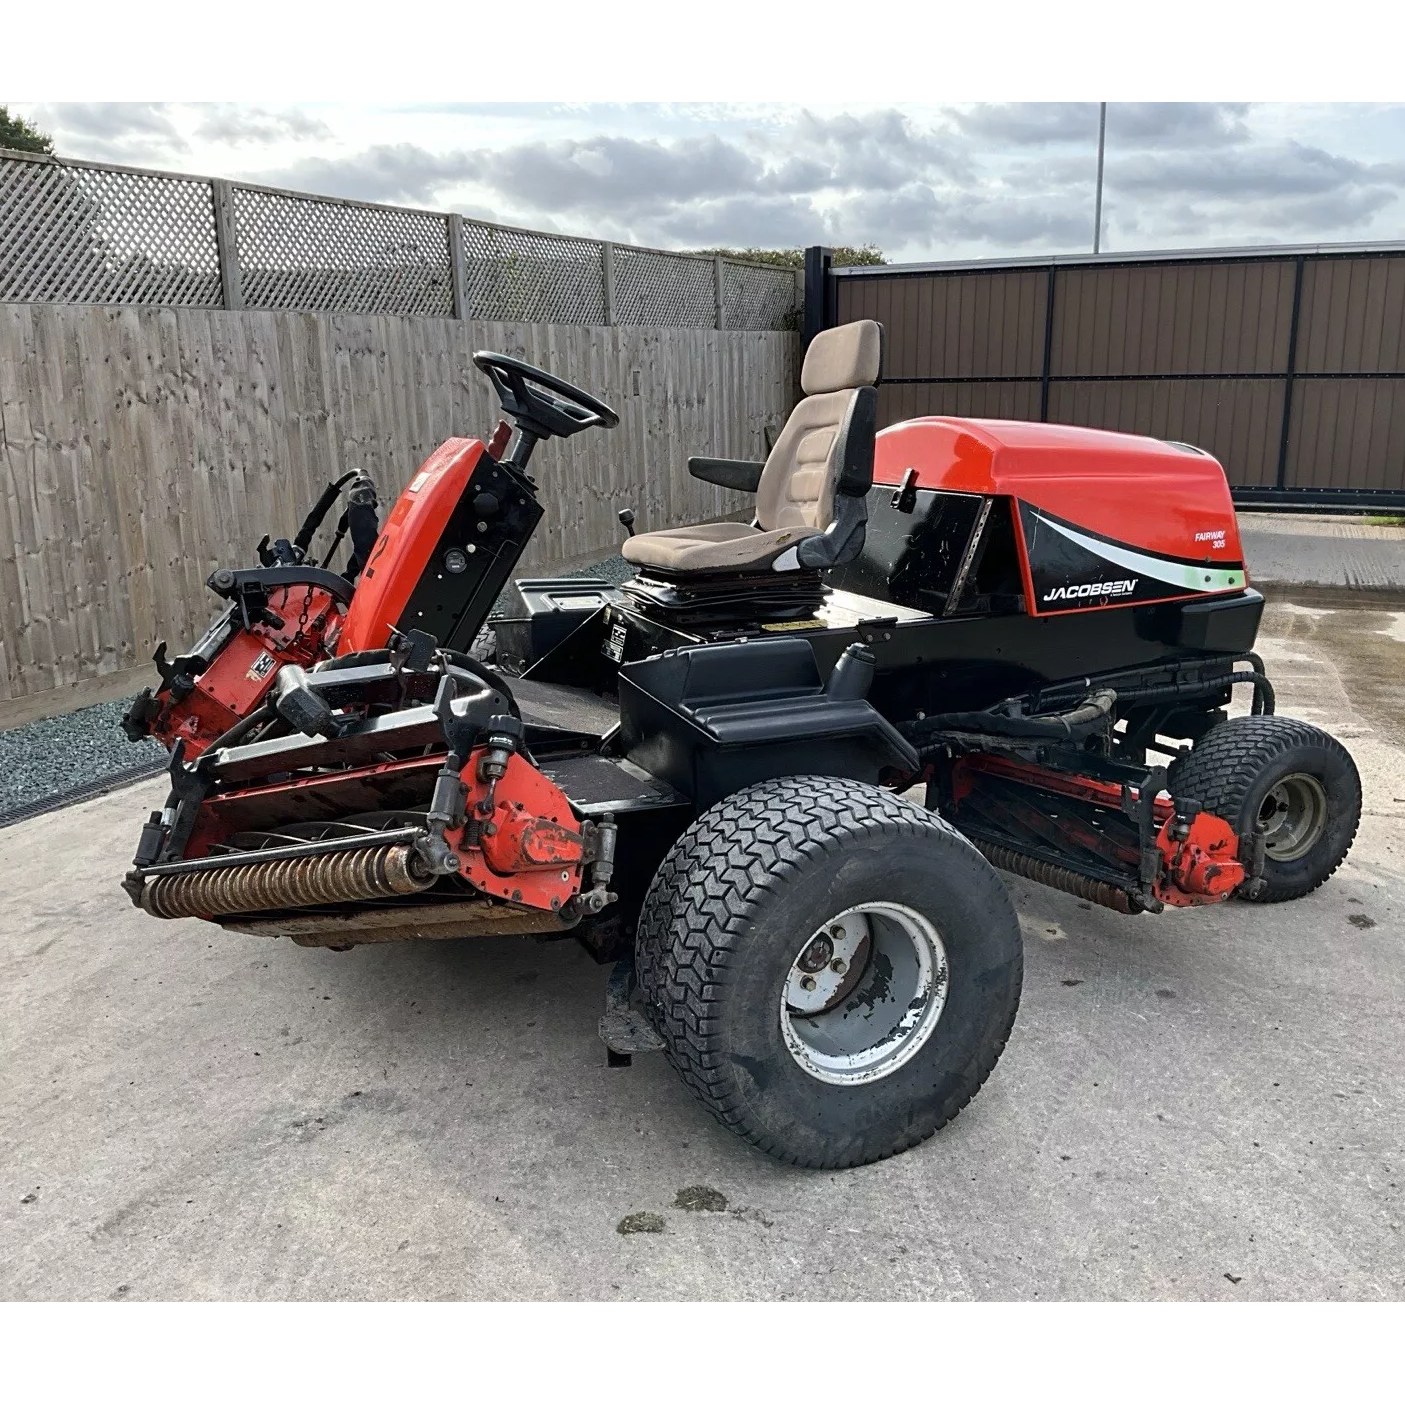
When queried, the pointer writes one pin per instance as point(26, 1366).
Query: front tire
point(1290, 782)
point(834, 971)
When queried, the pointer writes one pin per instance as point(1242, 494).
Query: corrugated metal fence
point(1288, 364)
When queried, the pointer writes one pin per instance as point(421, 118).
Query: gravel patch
point(45, 758)
point(614, 569)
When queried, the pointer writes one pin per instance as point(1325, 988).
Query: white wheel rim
point(861, 1019)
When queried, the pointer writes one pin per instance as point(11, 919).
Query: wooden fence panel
point(142, 447)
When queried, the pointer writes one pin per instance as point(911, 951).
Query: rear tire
point(1290, 781)
point(853, 1067)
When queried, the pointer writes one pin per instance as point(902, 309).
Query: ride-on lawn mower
point(706, 774)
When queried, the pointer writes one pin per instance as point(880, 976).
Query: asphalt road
point(1197, 1105)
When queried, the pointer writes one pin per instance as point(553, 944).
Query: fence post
point(607, 280)
point(227, 245)
point(1048, 343)
point(456, 268)
point(718, 295)
point(1281, 477)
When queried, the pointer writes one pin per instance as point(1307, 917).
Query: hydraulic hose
point(240, 729)
point(1092, 713)
point(1264, 703)
point(1264, 699)
point(320, 508)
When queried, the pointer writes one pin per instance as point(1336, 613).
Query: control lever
point(852, 675)
point(498, 440)
point(626, 516)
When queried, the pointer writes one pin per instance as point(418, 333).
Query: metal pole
point(1285, 429)
point(818, 260)
point(1098, 206)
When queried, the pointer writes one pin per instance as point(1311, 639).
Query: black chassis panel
point(924, 665)
point(489, 528)
point(712, 718)
point(948, 664)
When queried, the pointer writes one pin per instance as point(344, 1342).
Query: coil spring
point(351, 875)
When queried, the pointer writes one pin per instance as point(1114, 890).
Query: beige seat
point(810, 508)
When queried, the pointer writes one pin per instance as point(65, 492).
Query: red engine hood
point(1103, 518)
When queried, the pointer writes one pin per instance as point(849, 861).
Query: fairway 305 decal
point(1074, 568)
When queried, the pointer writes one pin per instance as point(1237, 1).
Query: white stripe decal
point(1200, 578)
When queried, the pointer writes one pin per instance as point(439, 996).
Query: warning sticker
point(261, 666)
point(613, 647)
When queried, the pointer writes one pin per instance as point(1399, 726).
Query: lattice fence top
point(756, 298)
point(512, 275)
point(331, 256)
point(73, 231)
point(664, 290)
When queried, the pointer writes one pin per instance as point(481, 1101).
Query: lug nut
point(838, 966)
point(807, 983)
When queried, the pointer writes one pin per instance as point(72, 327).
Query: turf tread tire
point(1227, 763)
point(707, 897)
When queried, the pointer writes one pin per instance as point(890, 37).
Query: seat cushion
point(711, 546)
point(797, 484)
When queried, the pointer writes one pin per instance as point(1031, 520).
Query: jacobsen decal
point(1109, 589)
point(1075, 568)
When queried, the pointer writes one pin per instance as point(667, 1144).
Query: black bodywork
point(717, 685)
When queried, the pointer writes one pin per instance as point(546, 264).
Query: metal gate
point(1286, 363)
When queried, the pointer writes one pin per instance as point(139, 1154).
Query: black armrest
point(841, 541)
point(855, 476)
point(741, 474)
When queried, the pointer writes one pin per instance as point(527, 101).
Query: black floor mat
point(556, 705)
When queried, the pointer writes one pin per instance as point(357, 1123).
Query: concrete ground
point(1198, 1105)
point(1361, 553)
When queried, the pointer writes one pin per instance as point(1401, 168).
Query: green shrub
point(19, 135)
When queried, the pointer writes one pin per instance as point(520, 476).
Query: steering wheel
point(558, 409)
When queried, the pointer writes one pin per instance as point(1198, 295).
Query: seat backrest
point(826, 446)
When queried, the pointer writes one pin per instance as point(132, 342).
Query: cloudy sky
point(921, 182)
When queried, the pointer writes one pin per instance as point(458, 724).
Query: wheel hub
point(864, 994)
point(1292, 816)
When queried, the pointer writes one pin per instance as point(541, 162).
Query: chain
point(302, 618)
